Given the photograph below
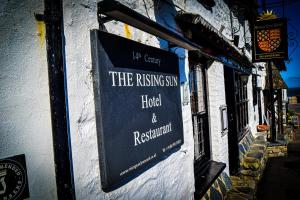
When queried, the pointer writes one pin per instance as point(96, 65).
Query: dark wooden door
point(230, 92)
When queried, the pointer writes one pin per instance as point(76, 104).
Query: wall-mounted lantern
point(244, 78)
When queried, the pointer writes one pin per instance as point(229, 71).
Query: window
point(199, 114)
point(241, 98)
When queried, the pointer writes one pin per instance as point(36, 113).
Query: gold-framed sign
point(270, 40)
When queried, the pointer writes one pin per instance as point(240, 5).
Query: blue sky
point(292, 12)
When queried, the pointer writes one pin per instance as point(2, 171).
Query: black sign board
point(138, 106)
point(13, 178)
point(270, 40)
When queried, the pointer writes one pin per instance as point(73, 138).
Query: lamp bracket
point(102, 19)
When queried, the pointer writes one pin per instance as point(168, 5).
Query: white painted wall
point(217, 17)
point(252, 110)
point(264, 74)
point(25, 123)
point(217, 98)
point(173, 177)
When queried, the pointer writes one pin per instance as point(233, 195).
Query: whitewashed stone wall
point(25, 112)
point(252, 110)
point(25, 122)
point(220, 18)
point(217, 98)
point(173, 177)
point(220, 15)
point(263, 79)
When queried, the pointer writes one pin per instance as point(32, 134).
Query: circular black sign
point(12, 179)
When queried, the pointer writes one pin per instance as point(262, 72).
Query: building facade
point(220, 92)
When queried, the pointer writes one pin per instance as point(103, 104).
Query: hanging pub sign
point(270, 40)
point(138, 106)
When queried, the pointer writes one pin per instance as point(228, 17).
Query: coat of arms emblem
point(269, 40)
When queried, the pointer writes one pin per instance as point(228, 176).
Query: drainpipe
point(271, 90)
point(53, 18)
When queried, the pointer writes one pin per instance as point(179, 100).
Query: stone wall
point(25, 121)
point(216, 99)
point(173, 177)
point(25, 112)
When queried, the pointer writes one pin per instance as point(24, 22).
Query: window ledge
point(206, 177)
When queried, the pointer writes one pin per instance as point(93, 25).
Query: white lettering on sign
point(121, 78)
point(171, 81)
point(152, 60)
point(151, 101)
point(131, 79)
point(140, 138)
point(136, 56)
point(128, 79)
point(149, 80)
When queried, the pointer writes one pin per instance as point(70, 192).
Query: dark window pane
point(198, 106)
point(241, 104)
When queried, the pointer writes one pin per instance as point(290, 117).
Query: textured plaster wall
point(218, 16)
point(217, 98)
point(25, 123)
point(263, 81)
point(254, 119)
point(252, 110)
point(173, 177)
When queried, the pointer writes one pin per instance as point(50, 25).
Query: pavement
point(281, 179)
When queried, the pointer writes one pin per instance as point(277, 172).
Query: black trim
point(254, 89)
point(53, 17)
point(206, 177)
point(208, 4)
point(259, 105)
point(272, 109)
point(233, 148)
point(115, 10)
point(213, 43)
